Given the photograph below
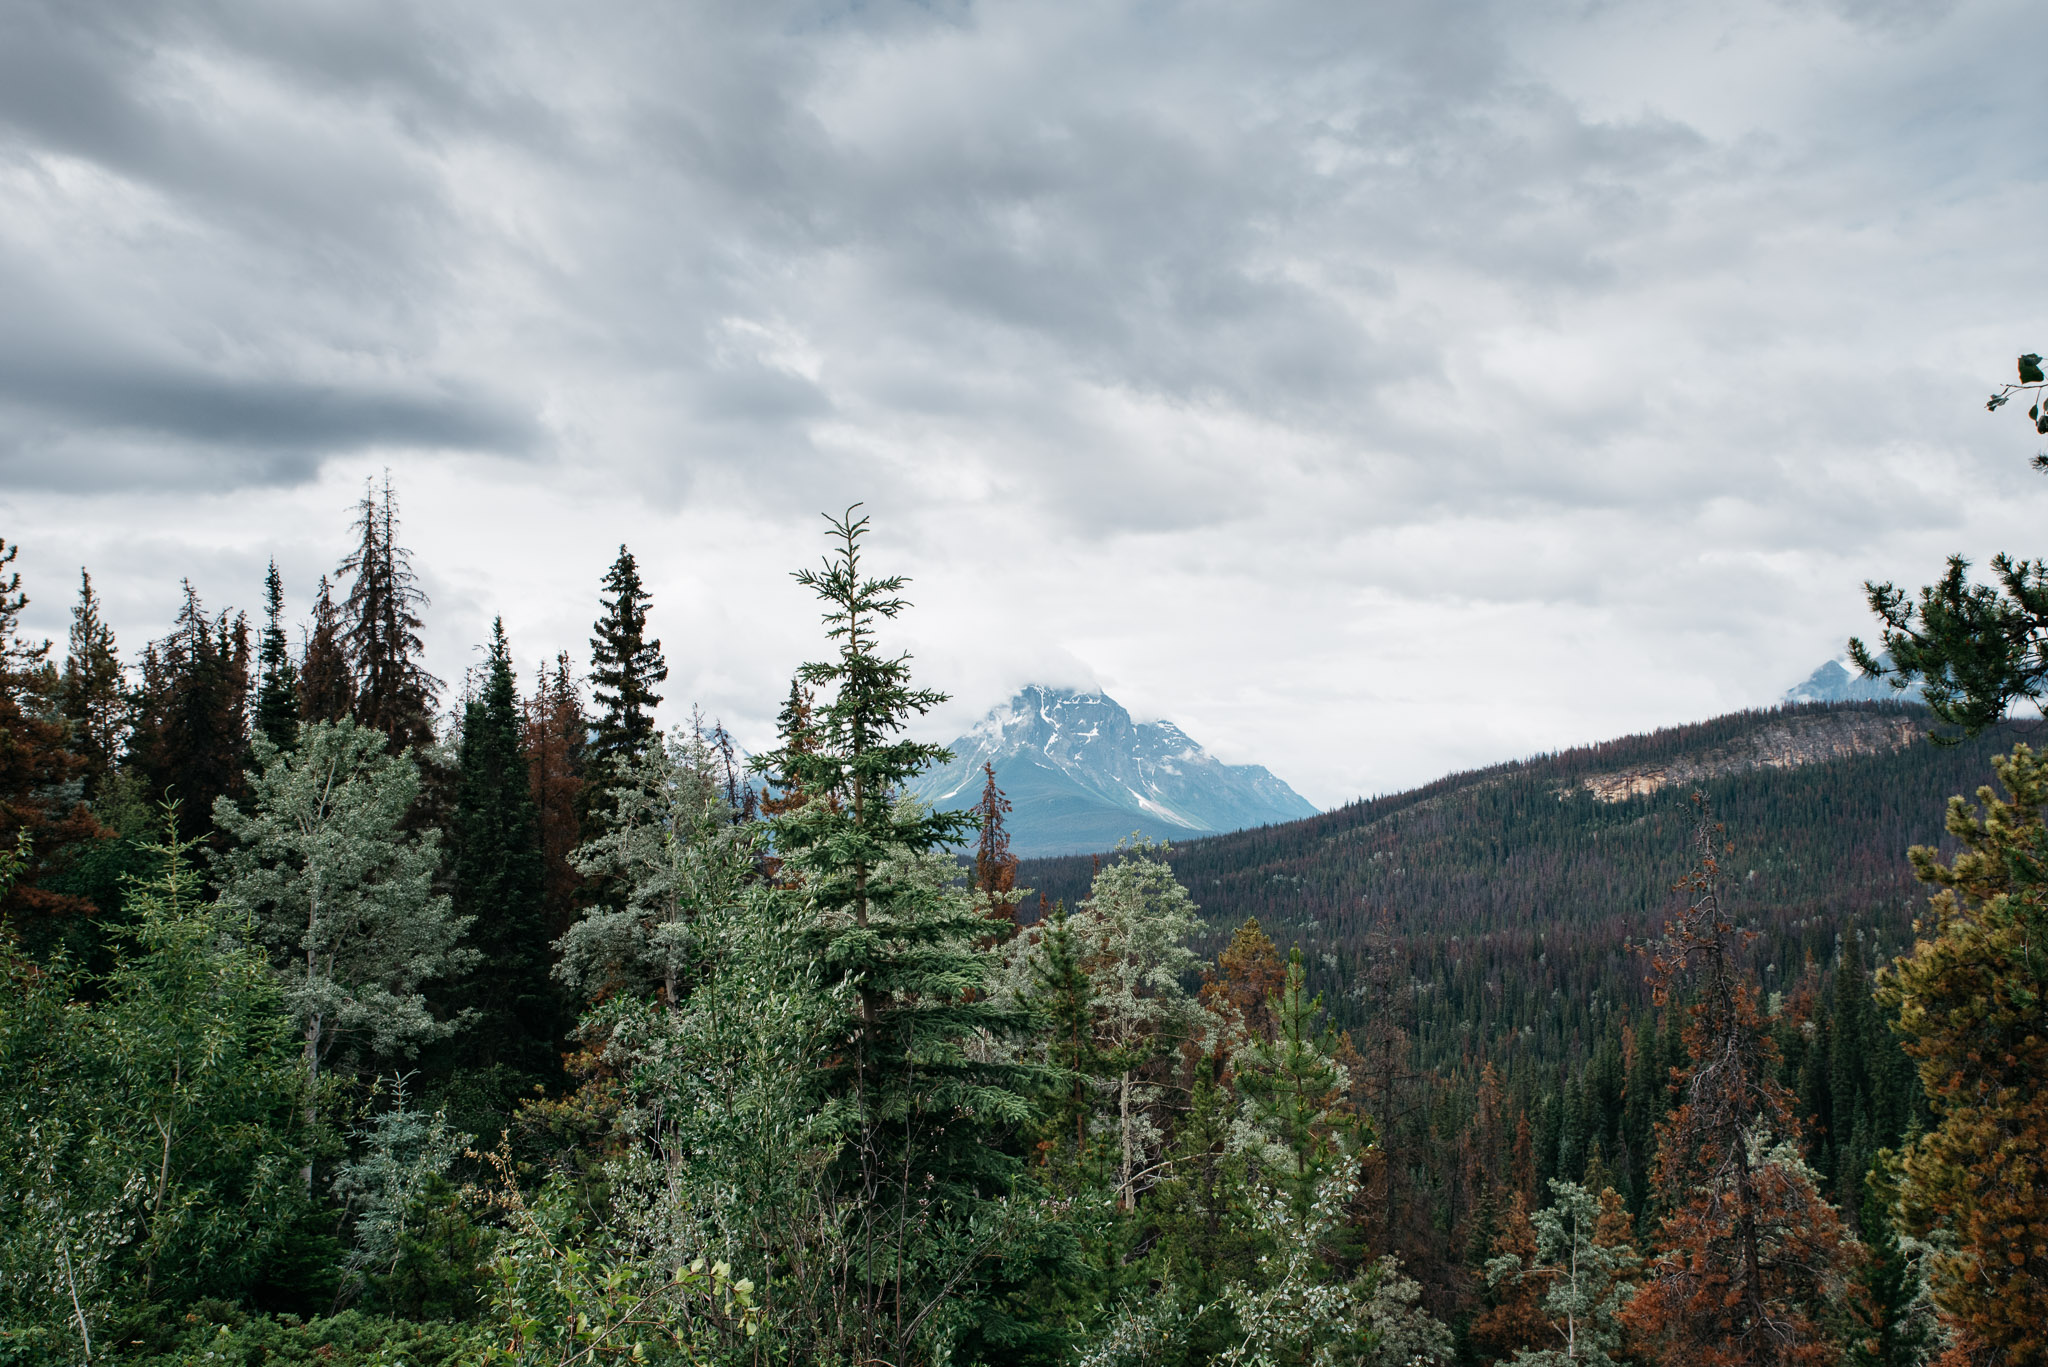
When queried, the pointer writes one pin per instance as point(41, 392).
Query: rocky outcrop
point(1785, 743)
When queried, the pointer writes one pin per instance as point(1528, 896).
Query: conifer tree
point(326, 690)
point(191, 735)
point(1133, 930)
point(1750, 1262)
point(93, 693)
point(995, 868)
point(1972, 1004)
point(1063, 1000)
point(39, 819)
point(342, 895)
point(794, 725)
point(927, 1119)
point(1296, 1088)
point(625, 666)
point(1239, 991)
point(1582, 1261)
point(499, 882)
point(556, 736)
point(277, 678)
point(380, 629)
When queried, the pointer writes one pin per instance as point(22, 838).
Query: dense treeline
point(343, 1025)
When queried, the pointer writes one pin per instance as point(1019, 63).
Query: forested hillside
point(350, 1018)
point(1512, 895)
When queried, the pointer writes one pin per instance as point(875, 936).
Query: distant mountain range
point(1081, 775)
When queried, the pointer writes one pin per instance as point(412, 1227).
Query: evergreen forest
point(357, 1016)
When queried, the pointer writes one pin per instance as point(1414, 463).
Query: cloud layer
point(1373, 389)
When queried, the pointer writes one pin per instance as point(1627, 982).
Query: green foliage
point(1972, 1003)
point(1584, 1271)
point(149, 1150)
point(1295, 1090)
point(927, 1114)
point(671, 851)
point(217, 1334)
point(520, 1019)
point(326, 876)
point(625, 666)
point(277, 677)
point(400, 1158)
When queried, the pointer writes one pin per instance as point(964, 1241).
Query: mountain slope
point(1081, 775)
point(1508, 899)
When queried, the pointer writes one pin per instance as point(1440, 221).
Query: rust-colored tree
point(37, 767)
point(556, 732)
point(995, 868)
point(1972, 1002)
point(327, 691)
point(1750, 1264)
point(1512, 1316)
point(1240, 989)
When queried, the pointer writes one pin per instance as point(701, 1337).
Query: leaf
point(1991, 404)
point(2041, 426)
point(2030, 369)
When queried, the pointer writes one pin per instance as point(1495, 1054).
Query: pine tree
point(995, 868)
point(555, 738)
point(1295, 1089)
point(1972, 1004)
point(673, 855)
point(1512, 1320)
point(795, 725)
point(380, 629)
point(342, 895)
point(326, 690)
point(1750, 1261)
point(927, 1119)
point(624, 668)
point(499, 883)
point(93, 692)
point(1133, 931)
point(1240, 989)
point(277, 678)
point(191, 735)
point(1063, 1000)
point(41, 820)
point(1582, 1260)
point(1201, 1209)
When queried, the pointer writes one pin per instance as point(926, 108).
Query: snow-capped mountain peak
point(1081, 774)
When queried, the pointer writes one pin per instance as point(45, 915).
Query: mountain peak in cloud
point(1835, 681)
point(1081, 775)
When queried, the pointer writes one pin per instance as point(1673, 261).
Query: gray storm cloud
point(1383, 387)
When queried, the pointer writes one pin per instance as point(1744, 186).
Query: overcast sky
point(1373, 388)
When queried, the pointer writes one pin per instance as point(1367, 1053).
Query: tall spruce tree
point(380, 630)
point(277, 678)
point(326, 692)
point(625, 666)
point(929, 1117)
point(500, 875)
point(93, 695)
